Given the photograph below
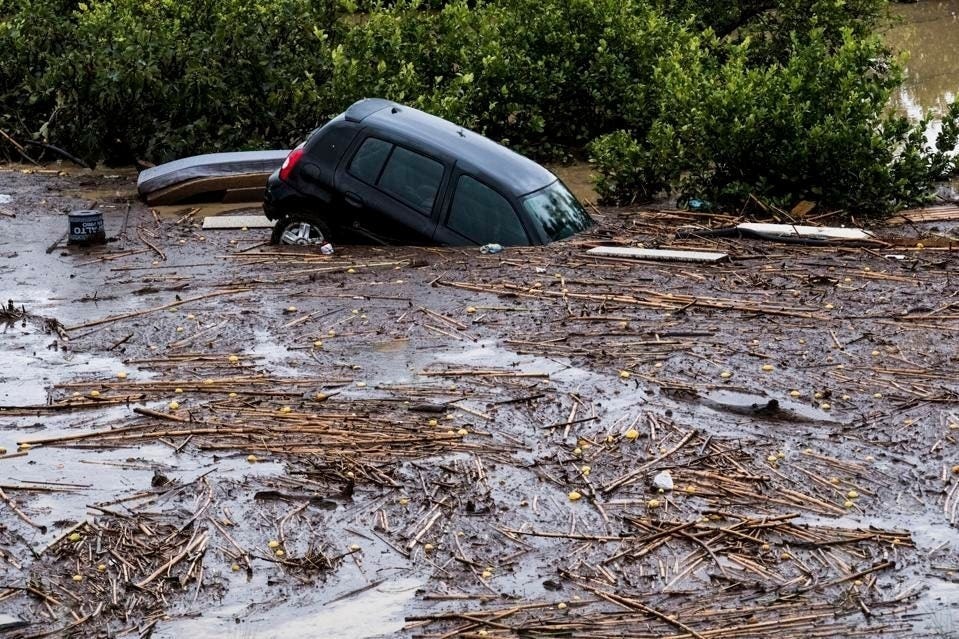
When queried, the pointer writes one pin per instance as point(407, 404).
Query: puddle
point(377, 612)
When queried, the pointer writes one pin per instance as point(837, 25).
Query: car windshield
point(558, 211)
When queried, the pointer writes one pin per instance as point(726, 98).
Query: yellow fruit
point(24, 446)
point(690, 489)
point(577, 451)
point(829, 307)
point(351, 270)
point(772, 458)
point(273, 543)
point(321, 397)
point(462, 432)
point(177, 390)
point(350, 474)
point(794, 393)
point(833, 480)
point(561, 606)
point(653, 503)
point(632, 433)
point(825, 406)
point(955, 469)
point(290, 309)
point(361, 384)
point(470, 309)
point(251, 459)
point(122, 375)
point(78, 577)
point(849, 504)
point(286, 409)
point(766, 546)
point(767, 368)
point(102, 567)
point(877, 395)
point(235, 567)
point(318, 343)
point(74, 537)
point(404, 501)
point(875, 353)
point(356, 547)
point(191, 317)
point(852, 494)
point(234, 359)
point(331, 333)
point(624, 374)
point(433, 422)
point(586, 470)
point(575, 495)
point(174, 405)
point(279, 552)
point(428, 547)
point(726, 374)
point(920, 245)
point(487, 574)
point(232, 395)
point(94, 393)
point(179, 329)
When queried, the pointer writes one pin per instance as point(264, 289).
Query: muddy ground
point(222, 438)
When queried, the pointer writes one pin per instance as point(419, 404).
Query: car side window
point(369, 159)
point(484, 216)
point(412, 178)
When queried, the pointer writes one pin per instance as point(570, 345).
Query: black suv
point(393, 174)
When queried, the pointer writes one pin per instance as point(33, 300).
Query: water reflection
point(930, 33)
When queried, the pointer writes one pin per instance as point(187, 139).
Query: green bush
point(783, 99)
point(815, 127)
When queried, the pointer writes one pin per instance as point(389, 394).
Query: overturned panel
point(188, 177)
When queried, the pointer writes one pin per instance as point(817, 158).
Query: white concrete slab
point(664, 255)
point(236, 222)
point(813, 232)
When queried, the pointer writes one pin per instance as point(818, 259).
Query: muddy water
point(929, 34)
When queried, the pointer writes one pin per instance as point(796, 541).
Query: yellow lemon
point(286, 409)
point(852, 494)
point(74, 537)
point(234, 359)
point(273, 543)
point(767, 367)
point(632, 433)
point(726, 374)
point(624, 374)
point(94, 393)
point(575, 495)
point(653, 503)
point(251, 459)
point(279, 552)
point(78, 577)
point(102, 567)
point(174, 405)
point(586, 470)
point(122, 375)
point(318, 343)
point(470, 309)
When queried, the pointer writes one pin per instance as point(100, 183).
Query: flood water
point(929, 33)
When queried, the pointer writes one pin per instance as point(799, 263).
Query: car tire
point(301, 229)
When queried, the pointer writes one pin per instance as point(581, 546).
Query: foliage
point(785, 99)
point(815, 127)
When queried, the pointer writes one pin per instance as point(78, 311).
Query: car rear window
point(369, 159)
point(484, 216)
point(412, 178)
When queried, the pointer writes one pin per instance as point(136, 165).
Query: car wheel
point(301, 230)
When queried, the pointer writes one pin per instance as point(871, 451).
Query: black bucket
point(86, 227)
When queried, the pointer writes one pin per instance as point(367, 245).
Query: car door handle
point(353, 200)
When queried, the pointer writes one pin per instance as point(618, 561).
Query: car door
point(392, 188)
point(476, 213)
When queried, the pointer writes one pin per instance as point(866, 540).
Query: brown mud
point(419, 419)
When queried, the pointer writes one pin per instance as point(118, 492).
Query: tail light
point(291, 161)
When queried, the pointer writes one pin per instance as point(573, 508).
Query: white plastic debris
point(327, 249)
point(663, 480)
point(5, 199)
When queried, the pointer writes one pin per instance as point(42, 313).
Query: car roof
point(492, 162)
